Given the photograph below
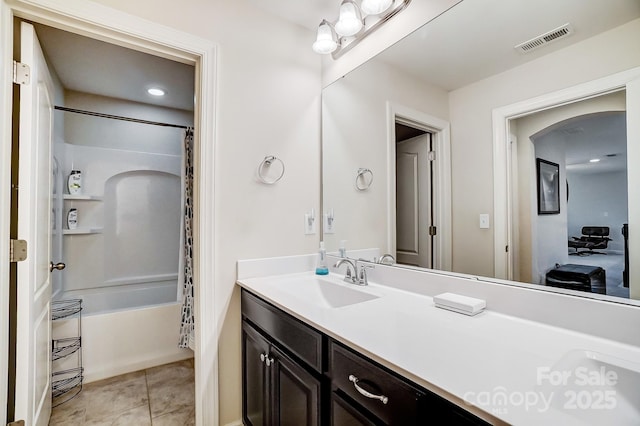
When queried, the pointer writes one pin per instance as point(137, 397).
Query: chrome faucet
point(386, 259)
point(356, 272)
point(362, 275)
point(350, 275)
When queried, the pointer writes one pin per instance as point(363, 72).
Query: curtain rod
point(118, 117)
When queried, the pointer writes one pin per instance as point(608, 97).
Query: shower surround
point(124, 261)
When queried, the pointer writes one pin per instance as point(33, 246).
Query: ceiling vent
point(544, 39)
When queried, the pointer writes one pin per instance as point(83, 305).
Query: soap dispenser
point(321, 266)
point(342, 250)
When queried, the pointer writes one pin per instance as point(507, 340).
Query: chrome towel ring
point(364, 179)
point(264, 166)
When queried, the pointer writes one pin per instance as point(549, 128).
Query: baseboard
point(236, 423)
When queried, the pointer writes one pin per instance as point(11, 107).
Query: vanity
point(295, 374)
point(318, 351)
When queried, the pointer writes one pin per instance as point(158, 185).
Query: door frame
point(440, 133)
point(116, 27)
point(502, 184)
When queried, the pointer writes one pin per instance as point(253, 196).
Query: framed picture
point(548, 174)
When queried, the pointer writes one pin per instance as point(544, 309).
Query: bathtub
point(123, 294)
point(118, 339)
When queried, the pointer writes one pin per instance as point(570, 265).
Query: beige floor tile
point(71, 412)
point(138, 416)
point(171, 388)
point(184, 417)
point(165, 394)
point(111, 397)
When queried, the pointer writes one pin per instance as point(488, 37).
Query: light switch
point(310, 223)
point(329, 223)
point(484, 221)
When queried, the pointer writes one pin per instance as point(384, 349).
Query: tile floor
point(158, 396)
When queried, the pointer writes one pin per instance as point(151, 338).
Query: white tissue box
point(458, 303)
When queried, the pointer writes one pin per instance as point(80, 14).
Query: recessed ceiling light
point(594, 160)
point(156, 91)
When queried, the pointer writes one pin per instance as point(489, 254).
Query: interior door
point(414, 207)
point(33, 334)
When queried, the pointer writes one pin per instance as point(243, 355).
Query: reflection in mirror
point(444, 82)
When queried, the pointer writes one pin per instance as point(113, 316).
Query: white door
point(414, 209)
point(33, 339)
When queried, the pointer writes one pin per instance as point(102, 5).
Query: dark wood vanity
point(293, 374)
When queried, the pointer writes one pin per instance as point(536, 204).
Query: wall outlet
point(484, 221)
point(309, 223)
point(329, 223)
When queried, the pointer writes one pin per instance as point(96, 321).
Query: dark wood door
point(295, 393)
point(255, 380)
point(345, 414)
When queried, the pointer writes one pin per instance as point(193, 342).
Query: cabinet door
point(345, 414)
point(295, 393)
point(255, 381)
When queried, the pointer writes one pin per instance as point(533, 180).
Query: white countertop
point(477, 359)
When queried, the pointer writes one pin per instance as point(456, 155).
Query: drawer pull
point(363, 392)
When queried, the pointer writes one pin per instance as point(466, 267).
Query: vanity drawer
point(403, 402)
point(300, 339)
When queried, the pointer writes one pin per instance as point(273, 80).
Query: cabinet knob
point(265, 358)
point(363, 392)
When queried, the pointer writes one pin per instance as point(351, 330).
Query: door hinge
point(16, 423)
point(506, 249)
point(17, 250)
point(21, 73)
point(433, 231)
point(432, 156)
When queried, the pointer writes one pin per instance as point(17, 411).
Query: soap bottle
point(342, 250)
point(72, 219)
point(74, 182)
point(321, 266)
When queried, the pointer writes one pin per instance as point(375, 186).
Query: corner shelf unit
point(66, 383)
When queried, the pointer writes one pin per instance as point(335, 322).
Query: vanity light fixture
point(354, 24)
point(156, 91)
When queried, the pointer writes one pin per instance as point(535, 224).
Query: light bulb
point(326, 40)
point(375, 7)
point(155, 91)
point(350, 21)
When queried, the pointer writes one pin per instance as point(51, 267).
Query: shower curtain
point(186, 261)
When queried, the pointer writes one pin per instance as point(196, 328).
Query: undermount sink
point(324, 292)
point(593, 387)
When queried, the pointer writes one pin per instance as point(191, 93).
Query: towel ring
point(266, 163)
point(362, 183)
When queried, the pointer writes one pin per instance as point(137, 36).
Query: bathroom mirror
point(420, 117)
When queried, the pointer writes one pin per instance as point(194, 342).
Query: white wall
point(114, 134)
point(550, 235)
point(472, 139)
point(268, 103)
point(354, 132)
point(598, 199)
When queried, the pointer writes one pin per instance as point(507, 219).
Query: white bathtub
point(126, 294)
point(117, 339)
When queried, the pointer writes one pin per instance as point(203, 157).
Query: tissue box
point(458, 303)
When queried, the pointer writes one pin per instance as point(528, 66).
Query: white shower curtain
point(186, 258)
